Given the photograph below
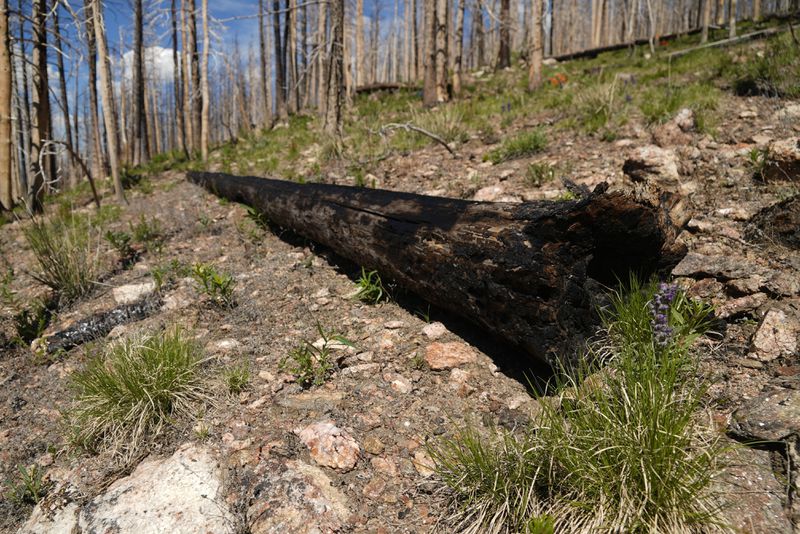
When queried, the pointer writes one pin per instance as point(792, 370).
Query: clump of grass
point(312, 364)
point(540, 173)
point(127, 396)
point(622, 452)
point(29, 487)
point(521, 146)
point(237, 378)
point(218, 286)
point(660, 104)
point(758, 159)
point(370, 287)
point(66, 251)
point(445, 121)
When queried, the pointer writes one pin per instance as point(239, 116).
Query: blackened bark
point(525, 272)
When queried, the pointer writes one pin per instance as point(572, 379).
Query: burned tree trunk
point(526, 272)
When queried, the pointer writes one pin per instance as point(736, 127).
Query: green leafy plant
point(121, 242)
point(148, 233)
point(29, 487)
point(258, 218)
point(66, 251)
point(619, 449)
point(237, 378)
point(218, 286)
point(125, 397)
point(758, 159)
point(370, 286)
point(166, 274)
point(523, 145)
point(31, 322)
point(311, 364)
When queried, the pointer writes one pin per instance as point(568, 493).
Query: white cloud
point(158, 63)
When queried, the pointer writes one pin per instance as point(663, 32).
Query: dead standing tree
point(525, 272)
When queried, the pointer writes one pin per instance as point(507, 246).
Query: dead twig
point(407, 126)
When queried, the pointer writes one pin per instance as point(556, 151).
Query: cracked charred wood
point(526, 272)
point(100, 324)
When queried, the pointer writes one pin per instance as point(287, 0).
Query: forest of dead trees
point(78, 102)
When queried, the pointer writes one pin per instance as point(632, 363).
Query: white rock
point(179, 494)
point(330, 446)
point(652, 162)
point(489, 193)
point(434, 331)
point(776, 336)
point(130, 293)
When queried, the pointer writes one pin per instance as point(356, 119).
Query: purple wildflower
point(659, 311)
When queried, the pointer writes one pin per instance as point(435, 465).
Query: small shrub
point(237, 378)
point(521, 146)
point(127, 396)
point(312, 365)
point(218, 286)
point(29, 487)
point(66, 252)
point(540, 173)
point(370, 287)
point(257, 218)
point(148, 233)
point(166, 274)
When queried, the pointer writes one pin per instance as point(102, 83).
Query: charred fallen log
point(526, 272)
point(100, 324)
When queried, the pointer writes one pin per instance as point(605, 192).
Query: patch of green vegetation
point(370, 287)
point(218, 286)
point(121, 242)
point(540, 173)
point(28, 488)
point(166, 274)
point(659, 104)
point(758, 159)
point(237, 378)
point(31, 322)
point(775, 72)
point(523, 145)
point(311, 364)
point(616, 450)
point(127, 396)
point(66, 251)
point(148, 233)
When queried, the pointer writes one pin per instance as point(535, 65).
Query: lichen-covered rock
point(297, 498)
point(772, 416)
point(776, 336)
point(783, 160)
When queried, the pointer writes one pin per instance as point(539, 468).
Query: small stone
point(330, 446)
point(224, 346)
point(384, 466)
point(398, 383)
point(394, 325)
point(448, 355)
point(776, 336)
point(489, 194)
point(748, 363)
point(746, 286)
point(434, 331)
point(374, 488)
point(128, 294)
point(373, 445)
point(423, 463)
point(719, 266)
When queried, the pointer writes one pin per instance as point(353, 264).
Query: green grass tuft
point(616, 451)
point(370, 287)
point(521, 146)
point(126, 397)
point(67, 252)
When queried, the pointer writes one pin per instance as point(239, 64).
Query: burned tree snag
point(525, 272)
